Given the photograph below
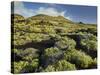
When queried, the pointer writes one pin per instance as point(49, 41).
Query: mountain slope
point(49, 18)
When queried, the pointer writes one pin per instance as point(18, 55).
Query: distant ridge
point(50, 18)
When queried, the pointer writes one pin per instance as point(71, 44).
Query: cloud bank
point(19, 8)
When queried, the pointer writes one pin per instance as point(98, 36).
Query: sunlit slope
point(42, 21)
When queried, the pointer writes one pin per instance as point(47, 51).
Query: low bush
point(79, 58)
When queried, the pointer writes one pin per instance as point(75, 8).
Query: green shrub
point(61, 65)
point(79, 58)
point(53, 51)
point(19, 66)
point(89, 45)
point(49, 68)
point(25, 67)
point(28, 54)
point(51, 55)
point(65, 43)
point(32, 66)
point(48, 29)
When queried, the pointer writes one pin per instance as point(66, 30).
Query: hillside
point(49, 18)
point(43, 43)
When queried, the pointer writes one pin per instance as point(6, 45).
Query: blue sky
point(76, 13)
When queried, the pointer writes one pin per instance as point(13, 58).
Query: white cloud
point(50, 11)
point(20, 8)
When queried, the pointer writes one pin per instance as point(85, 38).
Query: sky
point(76, 13)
